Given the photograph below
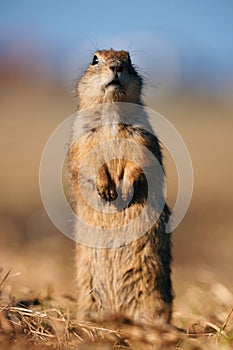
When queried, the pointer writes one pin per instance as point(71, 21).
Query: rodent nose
point(117, 68)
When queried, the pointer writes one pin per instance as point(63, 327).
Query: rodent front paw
point(126, 190)
point(106, 187)
point(116, 181)
point(107, 192)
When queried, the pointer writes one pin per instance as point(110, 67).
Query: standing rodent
point(131, 281)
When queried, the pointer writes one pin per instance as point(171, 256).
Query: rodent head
point(110, 77)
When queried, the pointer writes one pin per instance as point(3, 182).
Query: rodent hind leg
point(106, 187)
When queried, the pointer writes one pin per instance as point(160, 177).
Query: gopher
point(129, 278)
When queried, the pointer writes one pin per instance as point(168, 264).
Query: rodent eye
point(95, 60)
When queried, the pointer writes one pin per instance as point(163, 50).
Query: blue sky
point(193, 37)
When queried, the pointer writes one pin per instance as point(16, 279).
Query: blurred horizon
point(178, 45)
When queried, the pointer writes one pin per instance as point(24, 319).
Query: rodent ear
point(95, 60)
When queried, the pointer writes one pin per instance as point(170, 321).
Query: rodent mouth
point(115, 82)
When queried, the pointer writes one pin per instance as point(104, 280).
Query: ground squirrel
point(133, 280)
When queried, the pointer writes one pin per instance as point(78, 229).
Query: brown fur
point(133, 280)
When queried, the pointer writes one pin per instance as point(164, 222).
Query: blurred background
point(184, 50)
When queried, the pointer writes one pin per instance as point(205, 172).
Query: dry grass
point(43, 324)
